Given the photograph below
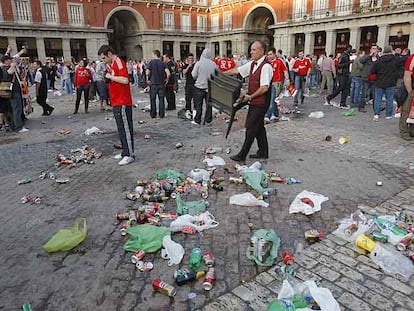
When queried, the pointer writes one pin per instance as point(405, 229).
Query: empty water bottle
point(195, 258)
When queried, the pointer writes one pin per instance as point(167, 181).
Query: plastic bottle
point(388, 225)
point(183, 276)
point(195, 258)
point(281, 305)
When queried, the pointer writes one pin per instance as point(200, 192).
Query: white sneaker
point(118, 157)
point(389, 118)
point(273, 118)
point(24, 130)
point(376, 118)
point(266, 120)
point(194, 122)
point(126, 160)
point(326, 104)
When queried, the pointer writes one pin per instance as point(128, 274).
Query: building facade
point(75, 29)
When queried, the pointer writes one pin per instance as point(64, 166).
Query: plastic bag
point(199, 175)
point(256, 166)
point(307, 203)
point(93, 130)
point(256, 179)
point(316, 114)
point(66, 239)
point(145, 237)
point(391, 261)
point(169, 174)
point(214, 161)
point(359, 220)
point(199, 223)
point(247, 199)
point(172, 251)
point(348, 113)
point(190, 207)
point(264, 251)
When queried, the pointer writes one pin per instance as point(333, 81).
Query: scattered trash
point(57, 93)
point(344, 140)
point(62, 180)
point(23, 181)
point(400, 150)
point(214, 161)
point(200, 222)
point(179, 145)
point(66, 239)
point(172, 251)
point(313, 236)
point(247, 199)
point(209, 280)
point(27, 307)
point(212, 150)
point(216, 133)
point(348, 113)
point(263, 248)
point(65, 131)
point(365, 242)
point(379, 183)
point(93, 130)
point(191, 295)
point(145, 237)
point(307, 203)
point(80, 155)
point(28, 198)
point(316, 115)
point(183, 276)
point(164, 288)
point(147, 137)
point(391, 261)
point(284, 118)
point(328, 138)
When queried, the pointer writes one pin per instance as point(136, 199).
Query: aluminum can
point(350, 229)
point(124, 227)
point(137, 256)
point(209, 280)
point(25, 199)
point(411, 256)
point(236, 180)
point(404, 243)
point(168, 215)
point(132, 195)
point(208, 259)
point(37, 200)
point(122, 216)
point(188, 229)
point(144, 266)
point(132, 217)
point(165, 288)
point(378, 236)
point(142, 182)
point(43, 175)
point(287, 258)
point(153, 221)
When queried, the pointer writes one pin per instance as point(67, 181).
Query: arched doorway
point(257, 23)
point(126, 25)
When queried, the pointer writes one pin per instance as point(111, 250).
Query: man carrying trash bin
point(260, 74)
point(120, 96)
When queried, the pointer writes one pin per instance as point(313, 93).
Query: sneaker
point(376, 118)
point(188, 114)
point(194, 122)
point(266, 120)
point(389, 118)
point(23, 130)
point(273, 118)
point(126, 160)
point(327, 101)
point(118, 157)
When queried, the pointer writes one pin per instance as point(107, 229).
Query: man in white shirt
point(260, 74)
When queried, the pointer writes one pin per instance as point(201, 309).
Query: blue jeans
point(300, 87)
point(312, 80)
point(68, 86)
point(356, 86)
point(389, 98)
point(276, 90)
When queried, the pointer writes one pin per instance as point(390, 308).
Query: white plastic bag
point(172, 251)
point(214, 161)
point(247, 199)
point(391, 261)
point(199, 175)
point(316, 114)
point(299, 206)
point(93, 130)
point(200, 222)
point(323, 297)
point(256, 166)
point(359, 219)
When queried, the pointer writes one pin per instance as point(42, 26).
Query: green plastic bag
point(66, 239)
point(169, 174)
point(190, 207)
point(145, 237)
point(257, 180)
point(271, 241)
point(348, 113)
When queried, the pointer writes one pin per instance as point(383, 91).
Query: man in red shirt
point(279, 71)
point(222, 64)
point(121, 101)
point(301, 67)
point(407, 130)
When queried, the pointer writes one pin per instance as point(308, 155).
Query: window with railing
point(202, 2)
point(370, 4)
point(227, 21)
point(22, 12)
point(75, 14)
point(50, 13)
point(215, 23)
point(168, 19)
point(343, 7)
point(299, 9)
point(320, 7)
point(215, 2)
point(201, 23)
point(185, 22)
point(186, 1)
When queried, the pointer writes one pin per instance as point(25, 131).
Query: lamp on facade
point(158, 5)
point(400, 33)
point(130, 3)
point(119, 2)
point(190, 8)
point(148, 4)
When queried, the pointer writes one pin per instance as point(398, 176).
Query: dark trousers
point(123, 118)
point(343, 88)
point(92, 90)
point(189, 96)
point(170, 96)
point(41, 100)
point(79, 90)
point(157, 90)
point(255, 129)
point(199, 96)
point(16, 104)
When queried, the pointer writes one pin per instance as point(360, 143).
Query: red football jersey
point(120, 94)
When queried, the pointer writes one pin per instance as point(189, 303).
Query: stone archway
point(257, 21)
point(126, 25)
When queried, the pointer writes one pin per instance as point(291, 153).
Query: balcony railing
point(196, 29)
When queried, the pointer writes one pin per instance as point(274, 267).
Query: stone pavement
point(98, 274)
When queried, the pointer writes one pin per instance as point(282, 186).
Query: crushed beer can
point(132, 195)
point(350, 229)
point(164, 288)
point(122, 216)
point(138, 256)
point(287, 258)
point(43, 175)
point(313, 235)
point(144, 266)
point(132, 217)
point(126, 224)
point(209, 280)
point(236, 180)
point(25, 199)
point(404, 242)
point(188, 229)
point(208, 259)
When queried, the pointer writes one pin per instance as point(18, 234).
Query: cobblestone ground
point(98, 275)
